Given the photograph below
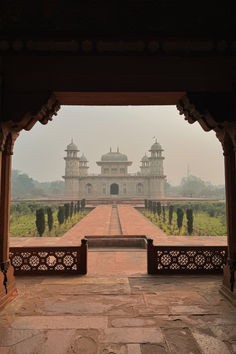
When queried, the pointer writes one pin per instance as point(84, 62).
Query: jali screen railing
point(185, 259)
point(49, 260)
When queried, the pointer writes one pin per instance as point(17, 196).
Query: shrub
point(171, 209)
point(67, 210)
point(164, 213)
point(71, 209)
point(82, 203)
point(180, 216)
point(40, 221)
point(50, 219)
point(78, 206)
point(159, 209)
point(61, 214)
point(189, 214)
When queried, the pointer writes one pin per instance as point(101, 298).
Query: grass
point(23, 225)
point(203, 224)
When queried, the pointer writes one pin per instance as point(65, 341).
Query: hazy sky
point(40, 152)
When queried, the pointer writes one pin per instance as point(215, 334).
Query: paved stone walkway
point(100, 221)
point(118, 313)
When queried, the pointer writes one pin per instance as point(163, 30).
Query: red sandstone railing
point(185, 259)
point(50, 260)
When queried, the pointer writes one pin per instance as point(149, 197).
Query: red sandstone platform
point(118, 309)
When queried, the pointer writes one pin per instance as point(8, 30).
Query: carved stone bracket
point(213, 111)
point(39, 108)
point(8, 136)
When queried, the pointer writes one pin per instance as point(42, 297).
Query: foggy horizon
point(94, 129)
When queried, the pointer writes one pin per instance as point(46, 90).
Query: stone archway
point(114, 189)
point(206, 108)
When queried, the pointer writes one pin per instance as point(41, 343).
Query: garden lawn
point(203, 224)
point(24, 225)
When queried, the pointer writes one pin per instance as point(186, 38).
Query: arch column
point(217, 112)
point(45, 106)
point(7, 282)
point(228, 141)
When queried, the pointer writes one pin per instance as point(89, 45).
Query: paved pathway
point(103, 220)
point(118, 313)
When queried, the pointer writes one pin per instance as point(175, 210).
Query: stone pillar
point(7, 282)
point(229, 147)
point(217, 111)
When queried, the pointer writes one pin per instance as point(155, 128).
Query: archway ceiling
point(112, 17)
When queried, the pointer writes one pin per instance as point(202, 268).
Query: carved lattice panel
point(190, 259)
point(28, 260)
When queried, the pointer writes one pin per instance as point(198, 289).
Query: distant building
point(114, 179)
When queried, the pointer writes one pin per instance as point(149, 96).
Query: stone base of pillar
point(226, 286)
point(5, 298)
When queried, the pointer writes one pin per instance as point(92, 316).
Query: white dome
point(83, 158)
point(114, 157)
point(72, 146)
point(156, 146)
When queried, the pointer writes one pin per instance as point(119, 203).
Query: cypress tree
point(67, 210)
point(61, 215)
point(159, 209)
point(189, 214)
point(146, 203)
point(164, 213)
point(83, 202)
point(180, 216)
point(154, 207)
point(40, 221)
point(78, 206)
point(71, 209)
point(171, 209)
point(50, 219)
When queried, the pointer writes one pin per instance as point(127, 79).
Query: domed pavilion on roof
point(114, 179)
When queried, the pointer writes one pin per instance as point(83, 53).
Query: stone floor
point(118, 309)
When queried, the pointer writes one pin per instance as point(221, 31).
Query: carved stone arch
point(89, 188)
point(139, 188)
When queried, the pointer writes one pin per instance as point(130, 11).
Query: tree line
point(64, 212)
point(193, 186)
point(24, 187)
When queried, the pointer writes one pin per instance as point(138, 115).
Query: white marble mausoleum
point(114, 180)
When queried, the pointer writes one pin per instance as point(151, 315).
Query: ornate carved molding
point(9, 130)
point(213, 112)
point(8, 136)
point(154, 45)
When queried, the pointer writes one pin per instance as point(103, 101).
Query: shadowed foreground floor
point(119, 309)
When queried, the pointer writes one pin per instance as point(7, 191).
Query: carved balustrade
point(186, 259)
point(49, 260)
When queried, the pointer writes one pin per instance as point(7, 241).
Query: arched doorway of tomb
point(114, 189)
point(89, 188)
point(139, 188)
